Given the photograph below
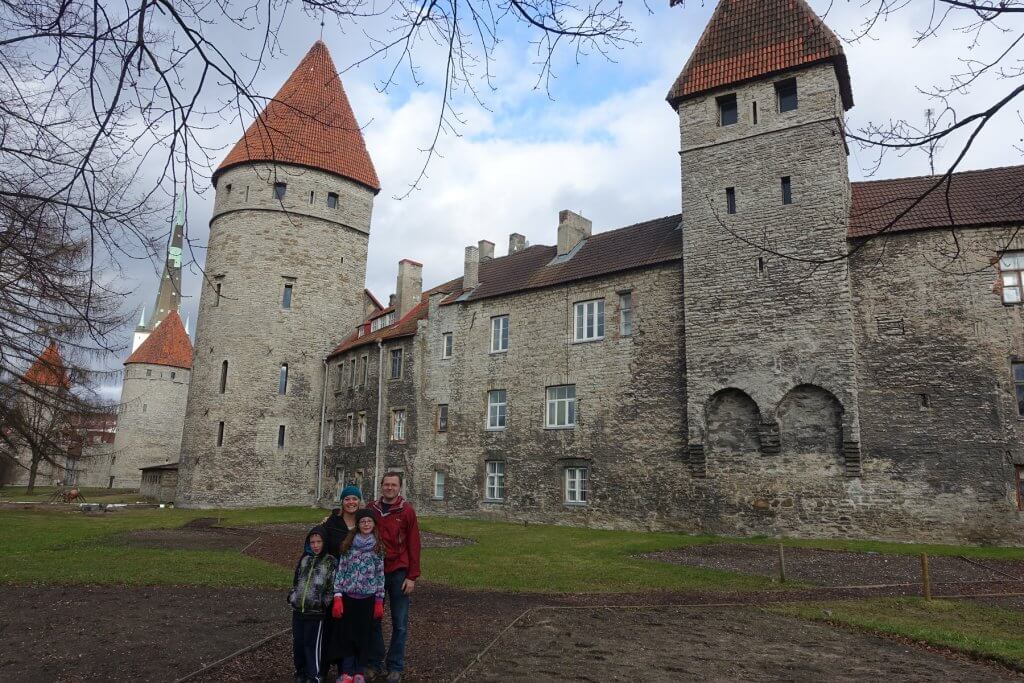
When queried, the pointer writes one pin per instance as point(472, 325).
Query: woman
point(336, 527)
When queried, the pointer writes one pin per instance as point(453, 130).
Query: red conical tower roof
point(310, 123)
point(48, 370)
point(168, 345)
point(747, 39)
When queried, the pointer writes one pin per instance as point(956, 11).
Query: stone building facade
point(792, 354)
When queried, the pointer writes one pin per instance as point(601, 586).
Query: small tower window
point(730, 199)
point(280, 437)
point(286, 297)
point(282, 380)
point(786, 92)
point(223, 376)
point(279, 190)
point(220, 433)
point(227, 189)
point(728, 110)
point(753, 111)
point(216, 294)
point(332, 200)
point(787, 190)
point(311, 196)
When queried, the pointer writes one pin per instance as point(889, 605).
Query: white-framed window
point(497, 409)
point(626, 313)
point(447, 345)
point(349, 425)
point(577, 485)
point(561, 407)
point(362, 428)
point(383, 321)
point(365, 362)
point(588, 320)
point(438, 485)
point(396, 363)
point(499, 334)
point(1011, 268)
point(352, 373)
point(495, 485)
point(330, 432)
point(339, 379)
point(398, 425)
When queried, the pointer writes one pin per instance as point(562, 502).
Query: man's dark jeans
point(399, 605)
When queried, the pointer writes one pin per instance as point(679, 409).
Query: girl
point(359, 594)
point(338, 525)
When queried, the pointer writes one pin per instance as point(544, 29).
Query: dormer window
point(728, 110)
point(786, 92)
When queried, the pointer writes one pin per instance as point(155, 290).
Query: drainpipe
point(320, 460)
point(380, 407)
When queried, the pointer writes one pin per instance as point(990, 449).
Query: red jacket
point(400, 533)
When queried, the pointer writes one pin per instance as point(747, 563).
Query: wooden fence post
point(926, 579)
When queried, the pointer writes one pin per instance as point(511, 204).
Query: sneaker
point(394, 677)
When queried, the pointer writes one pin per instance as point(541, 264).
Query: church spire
point(168, 297)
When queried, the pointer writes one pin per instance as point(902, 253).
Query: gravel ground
point(839, 568)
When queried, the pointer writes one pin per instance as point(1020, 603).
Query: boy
point(310, 598)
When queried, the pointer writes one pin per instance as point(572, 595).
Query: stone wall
point(258, 245)
point(149, 422)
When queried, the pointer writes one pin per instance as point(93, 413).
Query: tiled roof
point(167, 345)
point(748, 39)
point(634, 246)
point(310, 123)
point(48, 370)
point(992, 196)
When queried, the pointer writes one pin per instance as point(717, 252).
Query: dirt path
point(109, 633)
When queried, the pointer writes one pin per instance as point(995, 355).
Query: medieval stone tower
point(766, 200)
point(284, 281)
point(152, 408)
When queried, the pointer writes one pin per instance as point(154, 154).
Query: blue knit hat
point(351, 491)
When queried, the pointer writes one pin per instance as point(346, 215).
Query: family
point(355, 560)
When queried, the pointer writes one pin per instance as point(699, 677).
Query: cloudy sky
point(602, 142)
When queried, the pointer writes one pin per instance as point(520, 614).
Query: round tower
point(152, 409)
point(284, 275)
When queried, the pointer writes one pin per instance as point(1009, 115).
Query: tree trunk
point(32, 471)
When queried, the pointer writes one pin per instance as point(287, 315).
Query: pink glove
point(338, 608)
point(378, 609)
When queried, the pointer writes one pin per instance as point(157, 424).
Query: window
point(382, 321)
point(495, 489)
point(149, 373)
point(330, 433)
point(497, 406)
point(1020, 486)
point(227, 188)
point(728, 110)
point(339, 379)
point(173, 375)
point(279, 190)
point(447, 345)
point(398, 425)
point(438, 485)
point(349, 429)
point(577, 489)
point(280, 437)
point(365, 362)
point(786, 92)
point(787, 190)
point(499, 334)
point(332, 200)
point(286, 298)
point(730, 199)
point(216, 294)
point(223, 376)
point(589, 321)
point(220, 434)
point(362, 428)
point(352, 373)
point(753, 111)
point(144, 406)
point(282, 380)
point(1018, 385)
point(1011, 266)
point(311, 194)
point(442, 417)
point(626, 314)
point(396, 363)
point(561, 410)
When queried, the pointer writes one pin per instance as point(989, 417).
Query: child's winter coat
point(312, 593)
point(360, 571)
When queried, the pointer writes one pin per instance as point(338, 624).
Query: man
point(398, 528)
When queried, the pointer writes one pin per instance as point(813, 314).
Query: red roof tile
point(48, 370)
point(310, 123)
point(167, 345)
point(748, 39)
point(993, 196)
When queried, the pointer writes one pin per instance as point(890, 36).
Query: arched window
point(282, 381)
point(223, 376)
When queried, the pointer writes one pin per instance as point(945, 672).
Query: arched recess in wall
point(732, 419)
point(810, 422)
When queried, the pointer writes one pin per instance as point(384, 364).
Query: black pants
point(358, 628)
point(306, 638)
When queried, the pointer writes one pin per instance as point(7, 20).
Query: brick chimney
point(486, 248)
point(572, 229)
point(516, 242)
point(471, 274)
point(409, 287)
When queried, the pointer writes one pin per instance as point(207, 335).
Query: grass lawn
point(41, 494)
point(977, 630)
